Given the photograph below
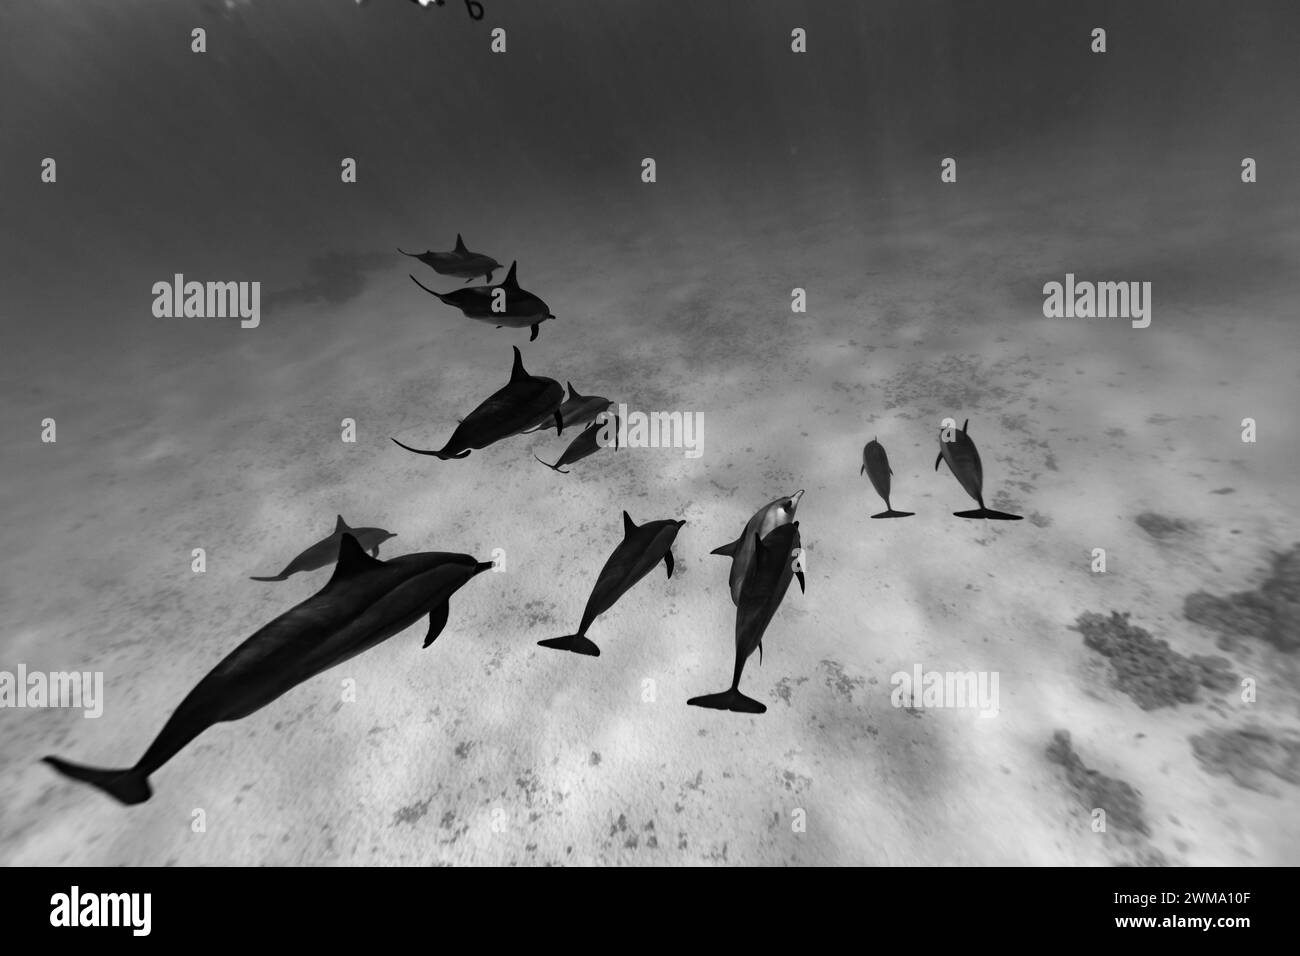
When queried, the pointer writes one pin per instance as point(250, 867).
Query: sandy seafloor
point(1082, 425)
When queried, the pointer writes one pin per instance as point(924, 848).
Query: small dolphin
point(640, 550)
point(875, 463)
point(326, 550)
point(591, 440)
point(366, 602)
point(460, 262)
point(772, 515)
point(580, 409)
point(521, 309)
point(763, 590)
point(963, 460)
point(518, 405)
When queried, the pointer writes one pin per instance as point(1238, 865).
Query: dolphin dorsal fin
point(353, 560)
point(340, 525)
point(460, 244)
point(518, 373)
point(628, 524)
point(964, 426)
point(573, 392)
point(511, 281)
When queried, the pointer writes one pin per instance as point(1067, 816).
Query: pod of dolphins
point(366, 600)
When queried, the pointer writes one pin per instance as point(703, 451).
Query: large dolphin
point(963, 460)
point(460, 262)
point(597, 435)
point(761, 595)
point(741, 551)
point(366, 601)
point(875, 463)
point(640, 550)
point(580, 409)
point(520, 309)
point(326, 550)
point(520, 404)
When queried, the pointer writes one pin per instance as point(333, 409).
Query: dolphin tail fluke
point(578, 643)
point(436, 295)
point(553, 467)
point(125, 786)
point(988, 513)
point(282, 576)
point(891, 513)
point(440, 455)
point(732, 700)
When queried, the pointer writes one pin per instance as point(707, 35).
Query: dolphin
point(580, 409)
point(326, 550)
point(460, 262)
point(875, 463)
point(521, 309)
point(520, 404)
point(366, 602)
point(589, 441)
point(640, 550)
point(775, 513)
point(761, 595)
point(963, 460)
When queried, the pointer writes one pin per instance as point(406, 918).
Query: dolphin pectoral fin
point(760, 652)
point(577, 643)
point(988, 513)
point(727, 550)
point(732, 700)
point(535, 327)
point(863, 470)
point(891, 513)
point(127, 786)
point(668, 562)
point(559, 422)
point(437, 621)
point(282, 576)
point(938, 460)
point(803, 589)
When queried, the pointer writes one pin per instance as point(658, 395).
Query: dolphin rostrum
point(640, 550)
point(580, 409)
point(460, 262)
point(875, 463)
point(365, 602)
point(520, 404)
point(597, 435)
point(741, 551)
point(764, 587)
point(963, 460)
point(519, 309)
point(326, 550)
